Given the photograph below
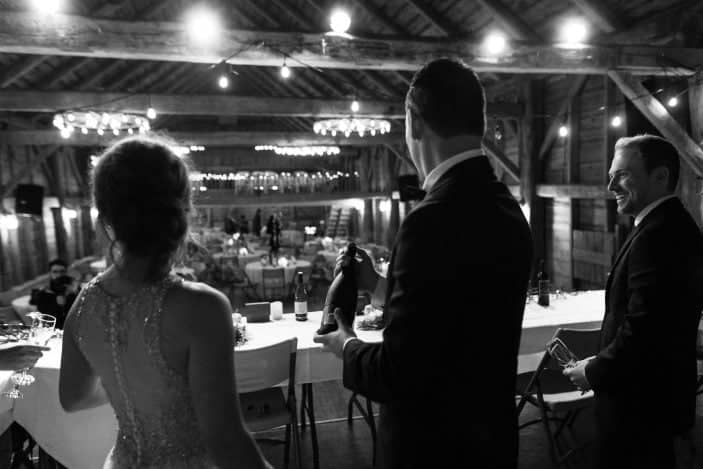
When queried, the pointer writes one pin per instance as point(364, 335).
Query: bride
point(157, 348)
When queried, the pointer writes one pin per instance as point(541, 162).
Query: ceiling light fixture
point(347, 126)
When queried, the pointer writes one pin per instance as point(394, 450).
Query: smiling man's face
point(632, 185)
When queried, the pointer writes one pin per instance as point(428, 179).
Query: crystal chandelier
point(100, 123)
point(313, 150)
point(347, 126)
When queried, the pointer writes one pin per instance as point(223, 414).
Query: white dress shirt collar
point(645, 211)
point(439, 170)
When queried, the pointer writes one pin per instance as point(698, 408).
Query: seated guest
point(58, 296)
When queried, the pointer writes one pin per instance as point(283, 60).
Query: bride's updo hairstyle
point(142, 192)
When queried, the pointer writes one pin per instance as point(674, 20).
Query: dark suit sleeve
point(641, 341)
point(404, 360)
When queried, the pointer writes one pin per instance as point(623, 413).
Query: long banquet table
point(81, 440)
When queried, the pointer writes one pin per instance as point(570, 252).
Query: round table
point(255, 272)
point(98, 266)
point(22, 306)
point(253, 256)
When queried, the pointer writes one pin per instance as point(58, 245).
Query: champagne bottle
point(542, 285)
point(342, 294)
point(300, 299)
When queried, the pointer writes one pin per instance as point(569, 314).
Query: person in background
point(58, 296)
point(273, 230)
point(157, 348)
point(256, 223)
point(644, 377)
point(243, 224)
point(446, 369)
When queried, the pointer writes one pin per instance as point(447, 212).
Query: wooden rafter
point(558, 120)
point(41, 155)
point(437, 22)
point(600, 14)
point(510, 21)
point(203, 104)
point(218, 138)
point(22, 32)
point(660, 118)
point(494, 152)
point(20, 69)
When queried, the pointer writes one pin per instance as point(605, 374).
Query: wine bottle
point(300, 299)
point(542, 285)
point(342, 294)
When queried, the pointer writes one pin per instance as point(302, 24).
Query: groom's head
point(445, 100)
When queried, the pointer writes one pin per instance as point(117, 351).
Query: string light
point(673, 101)
point(354, 106)
point(223, 81)
point(151, 113)
point(563, 131)
point(573, 32)
point(495, 43)
point(285, 71)
point(340, 21)
point(616, 121)
point(203, 25)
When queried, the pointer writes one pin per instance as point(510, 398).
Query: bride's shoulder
point(190, 297)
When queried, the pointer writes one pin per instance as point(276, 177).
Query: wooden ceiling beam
point(510, 21)
point(660, 118)
point(380, 17)
point(218, 138)
point(22, 32)
point(211, 104)
point(502, 159)
point(561, 116)
point(69, 67)
point(20, 69)
point(599, 13)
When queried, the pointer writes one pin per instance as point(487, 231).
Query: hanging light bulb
point(340, 21)
point(285, 71)
point(355, 106)
point(151, 113)
point(563, 131)
point(616, 121)
point(673, 101)
point(223, 81)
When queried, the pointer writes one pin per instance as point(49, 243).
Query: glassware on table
point(42, 330)
point(561, 353)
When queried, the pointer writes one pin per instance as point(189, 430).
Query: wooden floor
point(344, 446)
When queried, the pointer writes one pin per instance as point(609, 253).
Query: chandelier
point(313, 150)
point(100, 123)
point(347, 126)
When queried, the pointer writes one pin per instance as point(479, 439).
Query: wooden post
point(368, 225)
point(531, 133)
point(609, 138)
point(692, 186)
point(60, 231)
point(572, 177)
point(88, 231)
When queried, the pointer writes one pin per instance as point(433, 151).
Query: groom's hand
point(334, 341)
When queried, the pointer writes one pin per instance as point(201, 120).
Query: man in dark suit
point(644, 377)
point(454, 295)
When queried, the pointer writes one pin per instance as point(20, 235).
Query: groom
point(454, 298)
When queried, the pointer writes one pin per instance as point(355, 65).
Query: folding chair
point(273, 281)
point(556, 398)
point(265, 405)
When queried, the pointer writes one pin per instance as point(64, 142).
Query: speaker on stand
point(29, 200)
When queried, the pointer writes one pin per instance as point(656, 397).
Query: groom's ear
point(417, 124)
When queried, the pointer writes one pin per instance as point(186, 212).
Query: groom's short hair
point(449, 97)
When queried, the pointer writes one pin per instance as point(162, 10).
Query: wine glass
point(43, 327)
point(561, 353)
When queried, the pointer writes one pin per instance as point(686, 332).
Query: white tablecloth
point(255, 269)
point(244, 260)
point(81, 440)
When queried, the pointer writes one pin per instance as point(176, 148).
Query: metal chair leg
point(313, 431)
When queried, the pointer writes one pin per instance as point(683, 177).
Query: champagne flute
point(561, 353)
point(43, 327)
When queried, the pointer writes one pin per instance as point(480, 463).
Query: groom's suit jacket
point(645, 375)
point(445, 372)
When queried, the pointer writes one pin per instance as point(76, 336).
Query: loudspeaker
point(409, 187)
point(29, 199)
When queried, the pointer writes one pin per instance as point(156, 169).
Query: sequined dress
point(121, 339)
